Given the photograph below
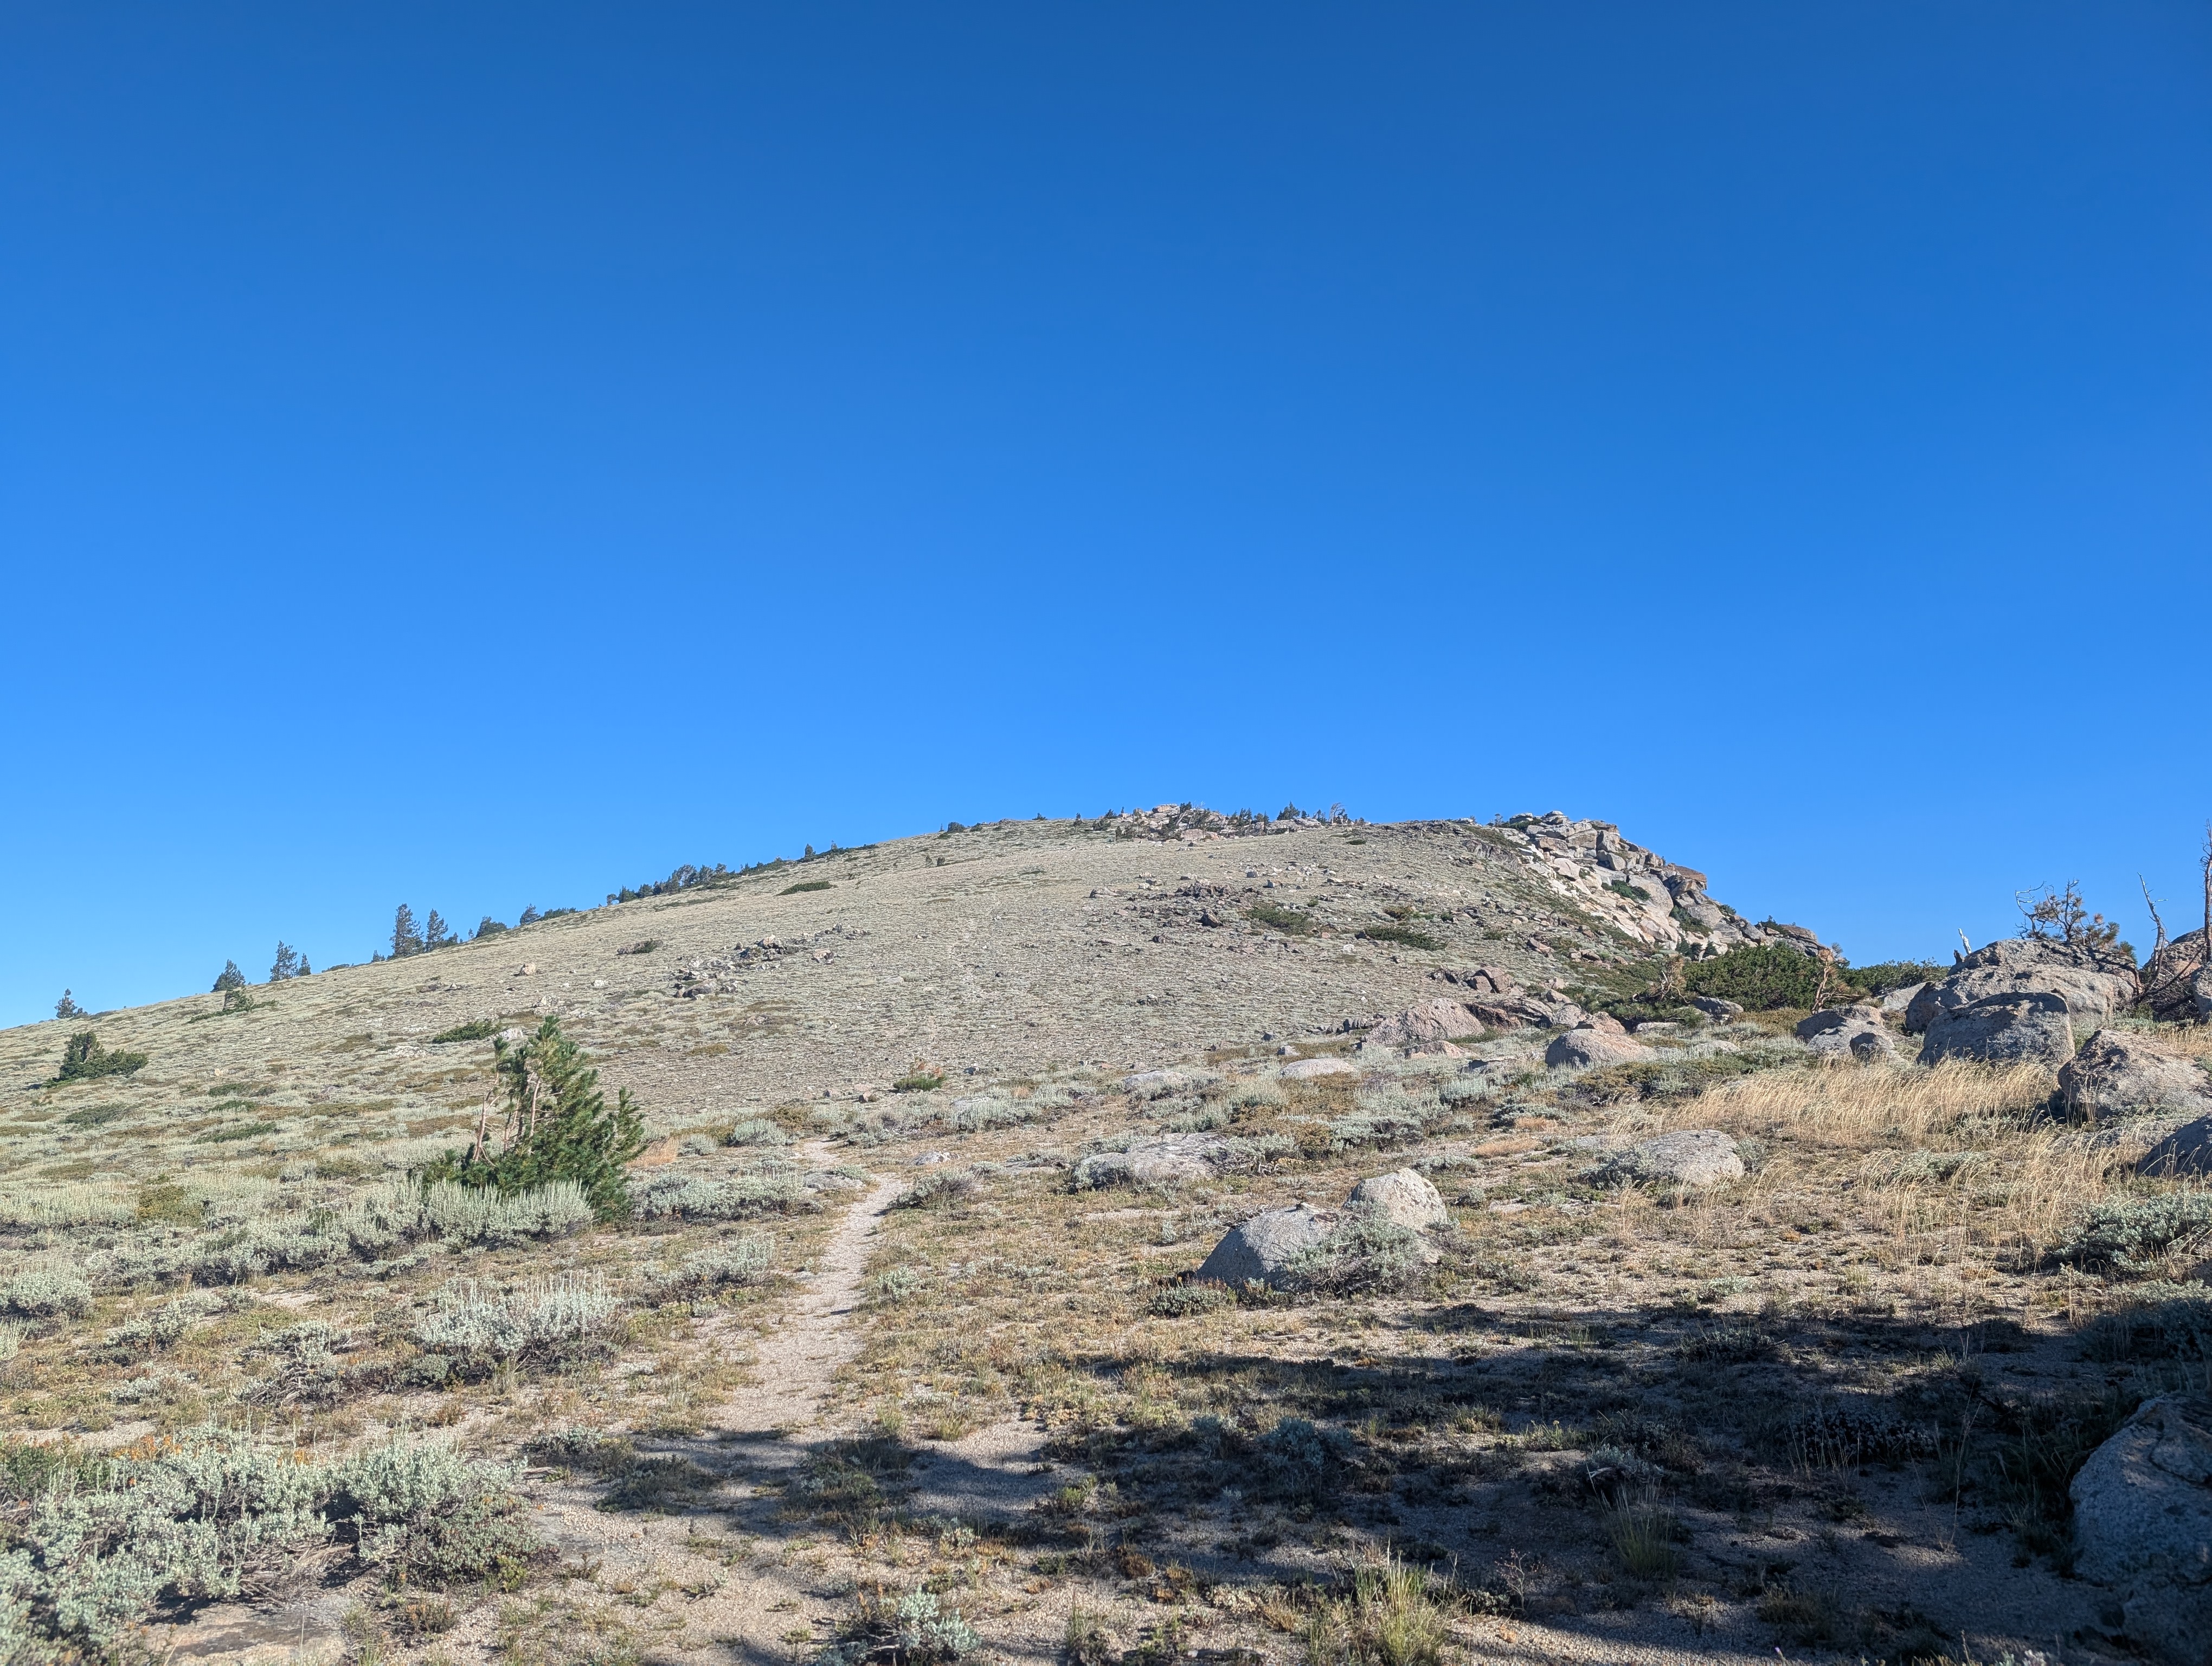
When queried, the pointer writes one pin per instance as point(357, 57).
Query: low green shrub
point(756, 1131)
point(804, 884)
point(474, 1030)
point(2161, 1321)
point(1291, 922)
point(1410, 937)
point(1761, 976)
point(2137, 1234)
point(83, 1060)
point(1185, 1301)
point(919, 1081)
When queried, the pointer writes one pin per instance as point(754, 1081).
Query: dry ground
point(1829, 1408)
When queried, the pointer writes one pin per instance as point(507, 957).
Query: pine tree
point(405, 940)
point(530, 914)
point(559, 1126)
point(230, 978)
point(306, 971)
point(435, 933)
point(66, 1007)
point(287, 964)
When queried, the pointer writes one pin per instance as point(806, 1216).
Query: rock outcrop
point(2002, 1029)
point(2142, 1527)
point(1261, 1249)
point(1306, 1070)
point(1848, 1032)
point(1692, 1157)
point(1405, 1197)
point(2118, 1074)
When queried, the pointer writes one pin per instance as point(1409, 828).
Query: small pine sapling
point(557, 1126)
point(66, 1007)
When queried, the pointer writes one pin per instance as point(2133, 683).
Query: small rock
point(1306, 1069)
point(1405, 1197)
point(2001, 1030)
point(1847, 1031)
point(1719, 1010)
point(2118, 1074)
point(1261, 1249)
point(2143, 1524)
point(1694, 1157)
point(2187, 1150)
point(528, 968)
point(1579, 1049)
point(1900, 1000)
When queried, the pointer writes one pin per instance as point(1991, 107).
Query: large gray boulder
point(1167, 1160)
point(2118, 1074)
point(1439, 1020)
point(2142, 1526)
point(2097, 985)
point(2002, 1029)
point(1261, 1249)
point(1847, 1032)
point(1692, 1157)
point(1405, 1198)
point(1579, 1049)
point(1719, 1010)
point(2172, 979)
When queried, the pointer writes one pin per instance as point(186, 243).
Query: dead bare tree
point(2158, 947)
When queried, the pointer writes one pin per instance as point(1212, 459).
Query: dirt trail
point(794, 1362)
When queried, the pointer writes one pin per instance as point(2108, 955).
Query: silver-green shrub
point(48, 1293)
point(775, 1187)
point(756, 1131)
point(477, 1321)
point(477, 1214)
point(735, 1261)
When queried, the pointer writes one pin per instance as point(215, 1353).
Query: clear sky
point(482, 456)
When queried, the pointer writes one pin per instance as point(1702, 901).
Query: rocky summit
point(1165, 1237)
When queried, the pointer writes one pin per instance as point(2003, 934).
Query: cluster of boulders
point(2022, 998)
point(709, 975)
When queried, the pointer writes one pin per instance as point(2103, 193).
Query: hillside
point(1004, 949)
point(924, 1332)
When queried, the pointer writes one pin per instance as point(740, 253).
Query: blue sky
point(481, 456)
